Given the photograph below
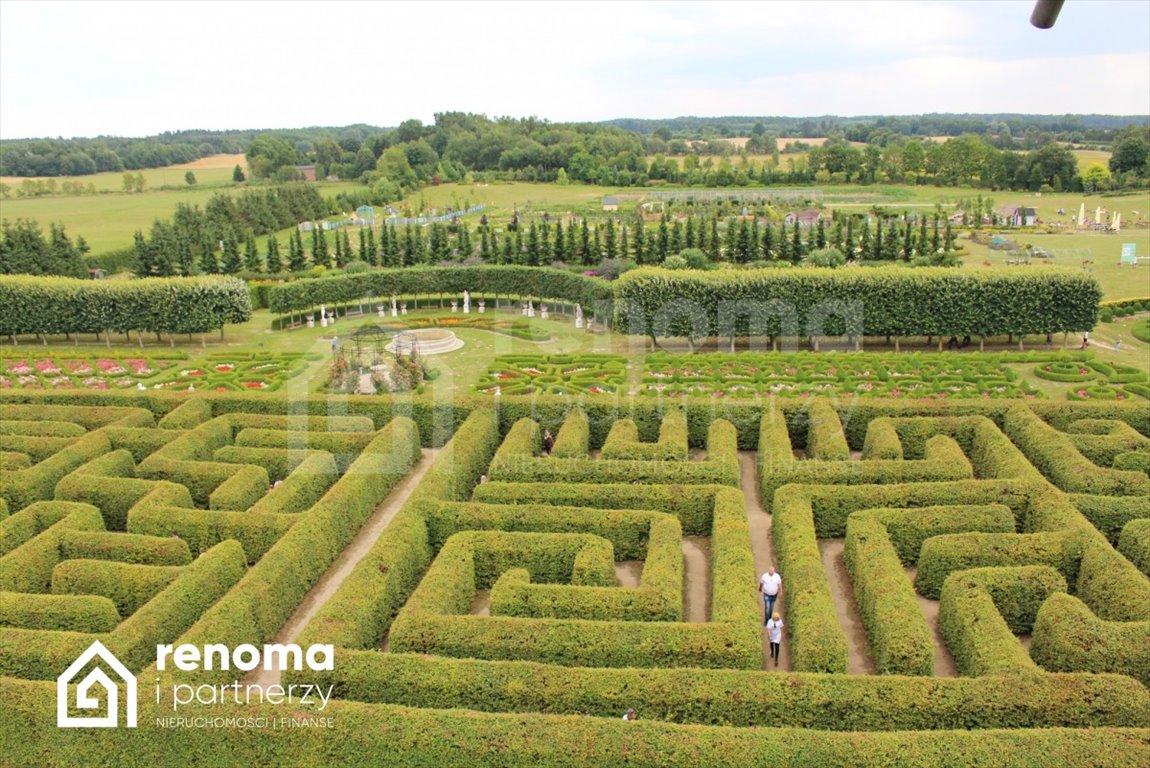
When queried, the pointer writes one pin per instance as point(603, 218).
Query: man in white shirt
point(771, 585)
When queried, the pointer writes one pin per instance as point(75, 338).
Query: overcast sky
point(133, 69)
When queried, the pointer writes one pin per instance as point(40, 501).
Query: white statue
point(466, 303)
point(380, 308)
point(454, 306)
point(530, 308)
point(578, 316)
point(543, 311)
point(403, 308)
point(323, 316)
point(524, 305)
point(311, 321)
point(394, 310)
point(482, 307)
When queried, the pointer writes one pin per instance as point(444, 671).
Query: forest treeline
point(532, 149)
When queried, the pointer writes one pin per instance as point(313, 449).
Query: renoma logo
point(84, 698)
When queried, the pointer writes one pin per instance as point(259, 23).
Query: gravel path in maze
point(944, 665)
point(347, 560)
point(763, 548)
point(697, 579)
point(859, 661)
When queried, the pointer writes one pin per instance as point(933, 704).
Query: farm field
point(214, 170)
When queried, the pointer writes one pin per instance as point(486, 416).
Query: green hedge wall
point(981, 609)
point(573, 440)
point(745, 699)
point(65, 613)
point(1068, 637)
point(416, 738)
point(127, 585)
point(898, 302)
point(272, 589)
point(500, 280)
point(1135, 544)
point(55, 305)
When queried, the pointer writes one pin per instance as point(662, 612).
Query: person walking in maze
point(548, 441)
point(771, 585)
point(775, 631)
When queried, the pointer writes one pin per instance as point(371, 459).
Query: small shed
point(611, 203)
point(96, 274)
point(306, 172)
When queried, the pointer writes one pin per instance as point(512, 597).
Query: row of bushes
point(1056, 456)
point(515, 462)
point(41, 654)
point(435, 737)
point(899, 637)
point(1069, 637)
point(500, 280)
point(814, 302)
point(57, 305)
point(623, 440)
point(981, 610)
point(693, 505)
point(1103, 440)
point(1135, 544)
point(60, 613)
point(272, 589)
point(573, 440)
point(438, 421)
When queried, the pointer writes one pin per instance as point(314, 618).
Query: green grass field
point(213, 170)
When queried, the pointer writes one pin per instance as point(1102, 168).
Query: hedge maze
point(518, 603)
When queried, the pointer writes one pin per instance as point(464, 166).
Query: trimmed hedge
point(359, 614)
point(909, 528)
point(623, 440)
point(256, 608)
point(38, 654)
point(414, 737)
point(1135, 544)
point(900, 640)
point(825, 438)
point(66, 613)
point(497, 280)
point(1110, 514)
point(573, 440)
point(896, 302)
point(127, 585)
point(1068, 637)
point(55, 305)
point(693, 505)
point(943, 555)
point(124, 548)
point(28, 567)
point(1055, 455)
point(745, 699)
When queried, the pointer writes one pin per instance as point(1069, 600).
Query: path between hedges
point(763, 549)
point(335, 575)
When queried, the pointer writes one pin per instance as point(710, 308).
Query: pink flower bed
point(110, 367)
point(20, 366)
point(46, 367)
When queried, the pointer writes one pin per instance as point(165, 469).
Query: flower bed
point(223, 372)
point(804, 374)
point(555, 374)
point(78, 373)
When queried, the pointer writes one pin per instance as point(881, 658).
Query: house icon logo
point(84, 698)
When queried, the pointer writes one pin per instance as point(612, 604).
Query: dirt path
point(859, 660)
point(696, 579)
point(347, 560)
point(763, 549)
point(944, 665)
point(628, 573)
point(481, 604)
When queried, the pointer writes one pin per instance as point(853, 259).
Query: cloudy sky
point(89, 68)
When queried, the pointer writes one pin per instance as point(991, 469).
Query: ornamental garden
point(550, 525)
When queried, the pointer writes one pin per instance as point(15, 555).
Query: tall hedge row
point(504, 280)
point(873, 302)
point(161, 305)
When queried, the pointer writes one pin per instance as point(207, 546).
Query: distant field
point(107, 221)
point(1087, 157)
point(1071, 249)
point(214, 170)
